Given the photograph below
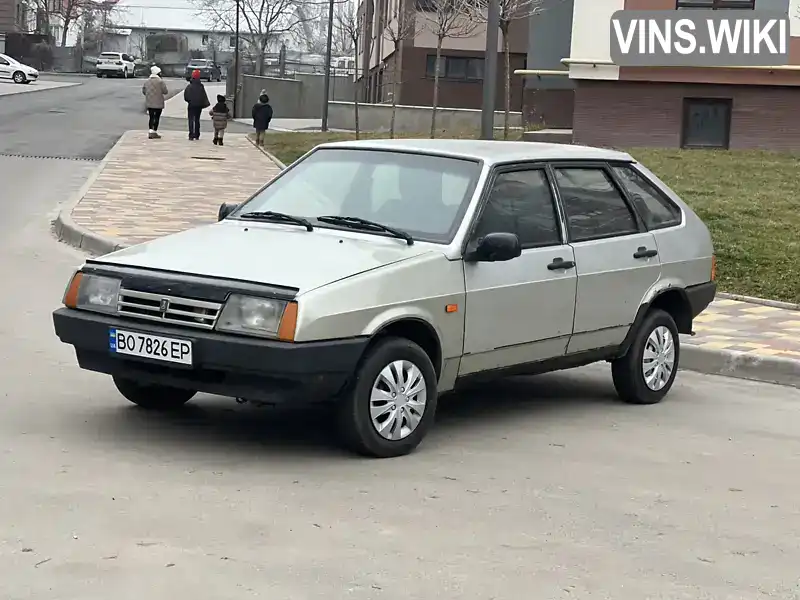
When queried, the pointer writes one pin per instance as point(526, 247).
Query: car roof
point(489, 151)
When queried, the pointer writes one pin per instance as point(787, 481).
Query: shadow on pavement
point(214, 425)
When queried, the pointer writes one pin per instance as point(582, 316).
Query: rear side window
point(657, 211)
point(594, 206)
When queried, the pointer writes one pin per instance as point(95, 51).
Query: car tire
point(19, 77)
point(356, 428)
point(153, 397)
point(99, 75)
point(125, 74)
point(658, 337)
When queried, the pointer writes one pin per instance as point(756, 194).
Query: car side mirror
point(496, 247)
point(225, 209)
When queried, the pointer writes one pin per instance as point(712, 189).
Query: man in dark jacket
point(196, 101)
point(262, 115)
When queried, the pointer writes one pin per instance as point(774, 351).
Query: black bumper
point(700, 296)
point(227, 365)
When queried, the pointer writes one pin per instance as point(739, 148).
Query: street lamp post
point(236, 64)
point(490, 70)
point(327, 81)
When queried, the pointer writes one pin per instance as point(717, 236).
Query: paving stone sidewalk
point(150, 188)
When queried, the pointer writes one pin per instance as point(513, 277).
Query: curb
point(33, 90)
point(739, 365)
point(69, 232)
point(270, 156)
point(762, 301)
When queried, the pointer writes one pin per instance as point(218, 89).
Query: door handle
point(643, 252)
point(559, 264)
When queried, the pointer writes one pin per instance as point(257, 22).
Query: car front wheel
point(391, 403)
point(19, 77)
point(647, 371)
point(155, 397)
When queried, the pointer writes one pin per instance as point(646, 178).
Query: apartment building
point(412, 65)
point(679, 107)
point(12, 13)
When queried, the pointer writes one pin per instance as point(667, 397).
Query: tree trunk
point(436, 86)
point(507, 56)
point(67, 23)
point(394, 101)
point(356, 91)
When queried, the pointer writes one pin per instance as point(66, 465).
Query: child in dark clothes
point(262, 115)
point(220, 114)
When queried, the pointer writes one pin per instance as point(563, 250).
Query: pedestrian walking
point(196, 101)
point(155, 94)
point(220, 114)
point(262, 115)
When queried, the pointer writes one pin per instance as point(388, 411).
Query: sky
point(160, 14)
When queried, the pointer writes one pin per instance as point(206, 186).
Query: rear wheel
point(647, 371)
point(154, 397)
point(391, 403)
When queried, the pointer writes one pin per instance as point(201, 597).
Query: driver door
point(520, 311)
point(5, 69)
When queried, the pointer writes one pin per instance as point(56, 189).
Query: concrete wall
point(410, 119)
point(299, 98)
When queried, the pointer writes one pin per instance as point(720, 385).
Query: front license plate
point(155, 347)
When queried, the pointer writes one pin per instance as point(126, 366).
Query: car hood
point(264, 253)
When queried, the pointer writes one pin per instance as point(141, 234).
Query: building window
point(717, 4)
point(455, 67)
point(232, 41)
point(706, 122)
point(205, 40)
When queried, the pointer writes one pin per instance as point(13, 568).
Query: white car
point(117, 64)
point(16, 71)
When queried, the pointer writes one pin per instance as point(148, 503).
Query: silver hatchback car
point(380, 274)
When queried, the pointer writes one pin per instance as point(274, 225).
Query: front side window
point(521, 202)
point(594, 207)
point(423, 195)
point(656, 210)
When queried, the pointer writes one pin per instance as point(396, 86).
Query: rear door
point(616, 257)
point(519, 311)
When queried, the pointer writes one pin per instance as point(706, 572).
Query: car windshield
point(9, 60)
point(420, 194)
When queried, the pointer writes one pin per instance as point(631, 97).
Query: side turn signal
point(71, 294)
point(288, 324)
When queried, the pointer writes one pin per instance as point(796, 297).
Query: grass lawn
point(750, 201)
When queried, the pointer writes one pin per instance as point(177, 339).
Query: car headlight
point(93, 292)
point(265, 317)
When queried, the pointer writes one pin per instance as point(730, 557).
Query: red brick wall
point(631, 114)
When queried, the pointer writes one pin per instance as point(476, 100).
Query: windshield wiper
point(276, 217)
point(359, 223)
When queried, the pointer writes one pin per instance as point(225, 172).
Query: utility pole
point(327, 80)
point(236, 65)
point(490, 71)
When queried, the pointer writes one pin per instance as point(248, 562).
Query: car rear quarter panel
point(419, 288)
point(686, 251)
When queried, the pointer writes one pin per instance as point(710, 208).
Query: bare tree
point(399, 27)
point(349, 27)
point(263, 21)
point(510, 10)
point(446, 19)
point(70, 12)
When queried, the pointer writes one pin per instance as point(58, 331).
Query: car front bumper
point(227, 365)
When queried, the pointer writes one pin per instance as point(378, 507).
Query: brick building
point(663, 107)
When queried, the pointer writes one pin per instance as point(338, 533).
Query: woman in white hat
point(155, 94)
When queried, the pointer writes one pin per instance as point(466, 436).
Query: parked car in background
point(376, 275)
point(16, 71)
point(209, 70)
point(115, 64)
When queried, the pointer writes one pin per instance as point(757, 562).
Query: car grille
point(168, 309)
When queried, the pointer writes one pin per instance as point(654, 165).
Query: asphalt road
point(535, 488)
point(80, 122)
